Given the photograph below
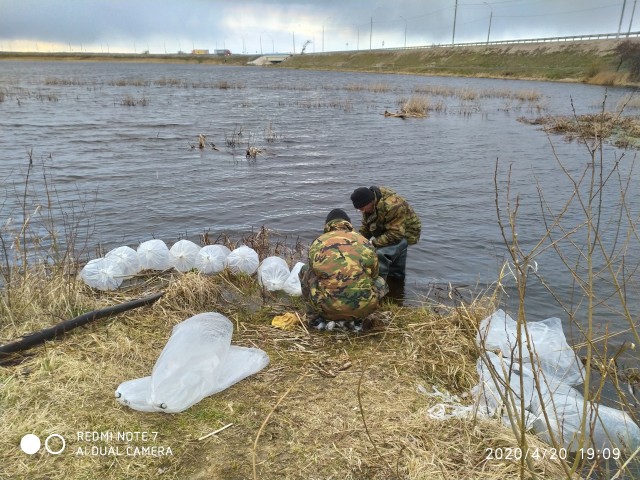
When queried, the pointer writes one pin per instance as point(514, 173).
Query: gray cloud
point(250, 26)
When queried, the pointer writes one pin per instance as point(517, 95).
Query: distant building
point(224, 52)
point(199, 52)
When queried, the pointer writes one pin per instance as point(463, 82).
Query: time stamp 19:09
point(517, 453)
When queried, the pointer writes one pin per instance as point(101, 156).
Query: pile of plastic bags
point(546, 355)
point(197, 361)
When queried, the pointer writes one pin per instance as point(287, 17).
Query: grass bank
point(582, 61)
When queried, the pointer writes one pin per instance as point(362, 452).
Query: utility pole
point(455, 14)
point(371, 33)
point(632, 12)
point(490, 18)
point(621, 15)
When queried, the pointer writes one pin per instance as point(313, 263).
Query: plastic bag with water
point(183, 255)
point(272, 273)
point(154, 255)
point(212, 259)
point(127, 258)
point(243, 259)
point(103, 274)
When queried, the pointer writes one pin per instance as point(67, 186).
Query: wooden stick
point(217, 431)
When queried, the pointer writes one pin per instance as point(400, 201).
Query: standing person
point(390, 223)
point(340, 282)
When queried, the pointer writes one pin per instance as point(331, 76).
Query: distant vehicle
point(224, 53)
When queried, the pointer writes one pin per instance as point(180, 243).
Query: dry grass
point(621, 130)
point(347, 405)
point(610, 79)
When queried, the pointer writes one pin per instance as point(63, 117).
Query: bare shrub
point(629, 52)
point(130, 101)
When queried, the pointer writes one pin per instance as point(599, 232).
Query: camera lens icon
point(30, 444)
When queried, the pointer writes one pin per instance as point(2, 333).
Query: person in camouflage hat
point(390, 223)
point(340, 282)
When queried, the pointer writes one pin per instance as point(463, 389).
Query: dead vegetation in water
point(621, 130)
point(131, 101)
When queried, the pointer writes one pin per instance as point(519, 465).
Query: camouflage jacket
point(341, 280)
point(391, 220)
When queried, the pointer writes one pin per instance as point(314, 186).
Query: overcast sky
point(253, 26)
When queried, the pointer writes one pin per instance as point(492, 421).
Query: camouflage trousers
point(314, 305)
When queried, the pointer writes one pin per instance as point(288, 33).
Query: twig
point(624, 465)
point(302, 323)
point(217, 431)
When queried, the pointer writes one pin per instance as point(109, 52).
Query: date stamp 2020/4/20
point(517, 453)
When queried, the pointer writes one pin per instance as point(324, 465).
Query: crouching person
point(340, 282)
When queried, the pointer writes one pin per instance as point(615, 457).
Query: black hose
point(36, 338)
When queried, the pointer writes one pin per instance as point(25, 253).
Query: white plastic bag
point(212, 259)
point(292, 283)
point(103, 274)
point(183, 255)
point(552, 353)
point(272, 273)
point(490, 394)
point(134, 394)
point(606, 427)
point(154, 255)
point(127, 257)
point(196, 362)
point(243, 259)
point(187, 366)
point(557, 368)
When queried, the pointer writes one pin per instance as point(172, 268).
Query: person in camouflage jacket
point(390, 223)
point(340, 281)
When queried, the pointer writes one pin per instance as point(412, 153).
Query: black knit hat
point(337, 213)
point(362, 196)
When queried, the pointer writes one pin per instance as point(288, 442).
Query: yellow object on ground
point(287, 321)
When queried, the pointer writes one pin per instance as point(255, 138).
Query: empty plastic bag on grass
point(551, 352)
point(243, 260)
point(606, 427)
point(212, 259)
point(272, 273)
point(127, 258)
point(197, 361)
point(504, 380)
point(491, 394)
point(103, 274)
point(292, 283)
point(183, 255)
point(154, 255)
